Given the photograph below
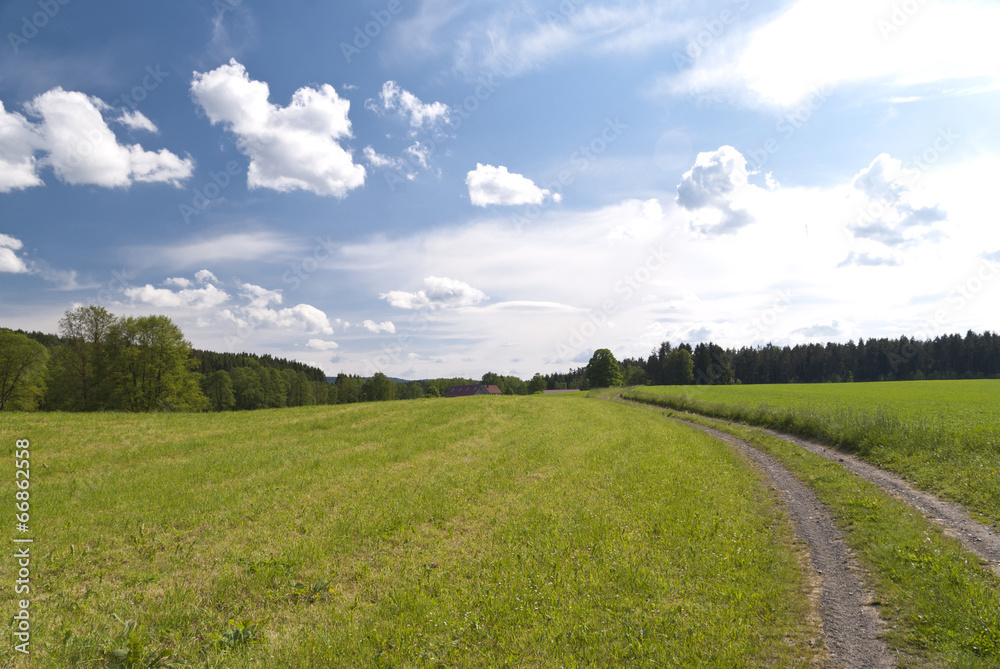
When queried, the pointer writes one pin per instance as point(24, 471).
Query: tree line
point(102, 362)
point(974, 356)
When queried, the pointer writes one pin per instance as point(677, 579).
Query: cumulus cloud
point(384, 326)
point(418, 114)
point(258, 312)
point(290, 148)
point(9, 262)
point(79, 146)
point(891, 215)
point(207, 297)
point(713, 181)
point(441, 292)
point(496, 185)
point(19, 140)
point(204, 276)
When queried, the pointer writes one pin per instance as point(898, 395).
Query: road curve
point(851, 625)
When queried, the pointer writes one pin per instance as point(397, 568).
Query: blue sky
point(430, 188)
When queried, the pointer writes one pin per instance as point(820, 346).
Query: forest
point(102, 362)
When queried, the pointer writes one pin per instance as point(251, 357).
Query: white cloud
point(805, 49)
point(421, 153)
point(205, 276)
point(179, 282)
point(237, 247)
point(379, 161)
point(418, 114)
point(893, 213)
point(9, 262)
point(18, 142)
point(257, 313)
point(384, 326)
point(290, 148)
point(208, 297)
point(80, 147)
point(136, 120)
point(517, 37)
point(320, 345)
point(441, 292)
point(713, 182)
point(495, 185)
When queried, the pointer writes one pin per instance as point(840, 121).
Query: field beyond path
point(497, 531)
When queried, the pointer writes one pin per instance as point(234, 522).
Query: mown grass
point(942, 435)
point(942, 608)
point(481, 532)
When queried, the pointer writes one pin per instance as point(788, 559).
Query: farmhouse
point(477, 389)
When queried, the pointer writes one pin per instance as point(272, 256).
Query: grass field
point(529, 532)
point(942, 435)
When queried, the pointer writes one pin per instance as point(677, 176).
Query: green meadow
point(529, 531)
point(942, 435)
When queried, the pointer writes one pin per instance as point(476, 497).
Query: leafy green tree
point(302, 390)
point(603, 370)
point(679, 368)
point(247, 388)
point(537, 384)
point(218, 387)
point(491, 379)
point(635, 376)
point(22, 371)
point(80, 377)
point(153, 368)
point(432, 391)
point(347, 391)
point(275, 386)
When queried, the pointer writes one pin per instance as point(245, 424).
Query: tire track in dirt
point(851, 625)
point(956, 522)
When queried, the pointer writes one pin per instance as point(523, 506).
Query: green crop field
point(943, 435)
point(512, 531)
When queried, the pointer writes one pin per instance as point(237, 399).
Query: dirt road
point(851, 625)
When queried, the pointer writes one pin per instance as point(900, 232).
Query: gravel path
point(851, 626)
point(956, 522)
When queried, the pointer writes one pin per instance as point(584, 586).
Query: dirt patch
point(851, 624)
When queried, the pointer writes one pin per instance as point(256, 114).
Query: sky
point(431, 188)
